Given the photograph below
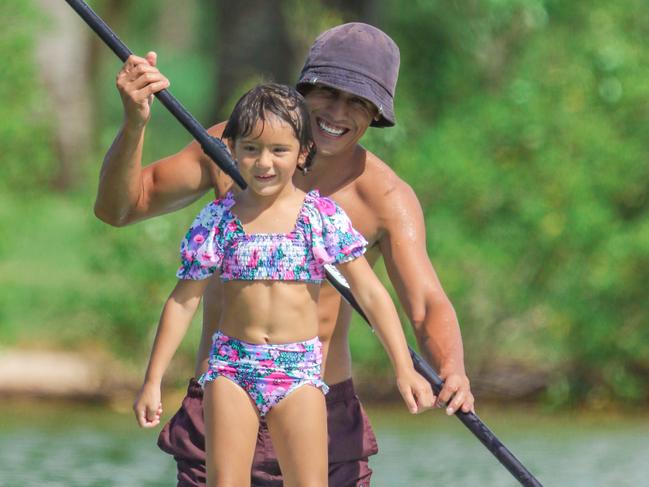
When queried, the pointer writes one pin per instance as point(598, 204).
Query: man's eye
point(324, 91)
point(360, 103)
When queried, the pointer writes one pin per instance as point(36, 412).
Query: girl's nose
point(265, 159)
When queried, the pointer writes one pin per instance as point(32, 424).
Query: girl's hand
point(147, 406)
point(415, 390)
point(137, 81)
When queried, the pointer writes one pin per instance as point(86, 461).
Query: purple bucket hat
point(359, 59)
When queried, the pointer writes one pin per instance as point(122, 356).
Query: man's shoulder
point(380, 186)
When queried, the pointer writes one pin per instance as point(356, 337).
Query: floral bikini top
point(216, 241)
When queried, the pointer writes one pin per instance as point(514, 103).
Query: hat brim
point(351, 82)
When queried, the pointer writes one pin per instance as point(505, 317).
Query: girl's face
point(268, 156)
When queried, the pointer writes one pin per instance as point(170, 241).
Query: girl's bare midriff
point(251, 311)
point(330, 319)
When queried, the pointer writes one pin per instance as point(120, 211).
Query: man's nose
point(338, 107)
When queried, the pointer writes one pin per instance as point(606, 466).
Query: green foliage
point(23, 110)
point(534, 183)
point(520, 127)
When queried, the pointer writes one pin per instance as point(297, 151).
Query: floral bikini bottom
point(267, 372)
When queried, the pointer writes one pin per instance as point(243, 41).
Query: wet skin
point(381, 206)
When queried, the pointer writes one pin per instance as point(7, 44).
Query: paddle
point(470, 420)
point(215, 149)
point(212, 146)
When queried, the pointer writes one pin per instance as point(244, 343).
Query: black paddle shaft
point(212, 146)
point(470, 420)
point(216, 150)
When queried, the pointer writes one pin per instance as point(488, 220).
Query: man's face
point(338, 119)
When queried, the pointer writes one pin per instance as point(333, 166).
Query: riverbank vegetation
point(521, 126)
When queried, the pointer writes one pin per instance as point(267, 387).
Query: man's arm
point(127, 192)
point(403, 245)
point(376, 303)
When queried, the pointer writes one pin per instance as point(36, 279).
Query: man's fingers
point(456, 402)
point(446, 394)
point(152, 58)
point(135, 65)
point(145, 94)
point(129, 75)
point(134, 60)
point(146, 79)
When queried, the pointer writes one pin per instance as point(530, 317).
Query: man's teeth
point(331, 130)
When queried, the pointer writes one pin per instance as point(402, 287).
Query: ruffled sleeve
point(333, 238)
point(201, 251)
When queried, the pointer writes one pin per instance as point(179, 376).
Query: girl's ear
point(305, 159)
point(301, 159)
point(230, 144)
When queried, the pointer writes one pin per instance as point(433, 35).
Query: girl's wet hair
point(280, 101)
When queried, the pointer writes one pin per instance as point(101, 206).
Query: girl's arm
point(377, 305)
point(176, 317)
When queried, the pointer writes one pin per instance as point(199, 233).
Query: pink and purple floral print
point(216, 241)
point(267, 372)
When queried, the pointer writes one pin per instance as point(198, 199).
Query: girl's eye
point(249, 148)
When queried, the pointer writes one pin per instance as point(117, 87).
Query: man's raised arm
point(127, 192)
point(403, 245)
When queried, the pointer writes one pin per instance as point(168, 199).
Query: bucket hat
point(359, 59)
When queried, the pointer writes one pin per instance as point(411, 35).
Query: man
point(348, 80)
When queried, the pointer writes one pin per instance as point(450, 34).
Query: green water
point(65, 445)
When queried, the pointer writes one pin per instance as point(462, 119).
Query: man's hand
point(456, 394)
point(137, 82)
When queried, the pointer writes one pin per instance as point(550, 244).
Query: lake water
point(65, 445)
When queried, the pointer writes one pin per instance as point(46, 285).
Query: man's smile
point(331, 129)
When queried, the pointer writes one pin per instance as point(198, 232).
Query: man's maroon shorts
point(351, 441)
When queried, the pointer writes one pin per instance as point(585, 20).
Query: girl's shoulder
point(214, 211)
point(323, 208)
point(333, 238)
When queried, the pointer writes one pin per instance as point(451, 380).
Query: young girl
point(269, 244)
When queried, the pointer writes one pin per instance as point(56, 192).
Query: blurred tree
point(250, 44)
point(63, 60)
point(25, 127)
point(522, 120)
point(253, 40)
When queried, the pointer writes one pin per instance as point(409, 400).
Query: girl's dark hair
point(281, 101)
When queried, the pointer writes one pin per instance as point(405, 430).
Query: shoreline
point(98, 378)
